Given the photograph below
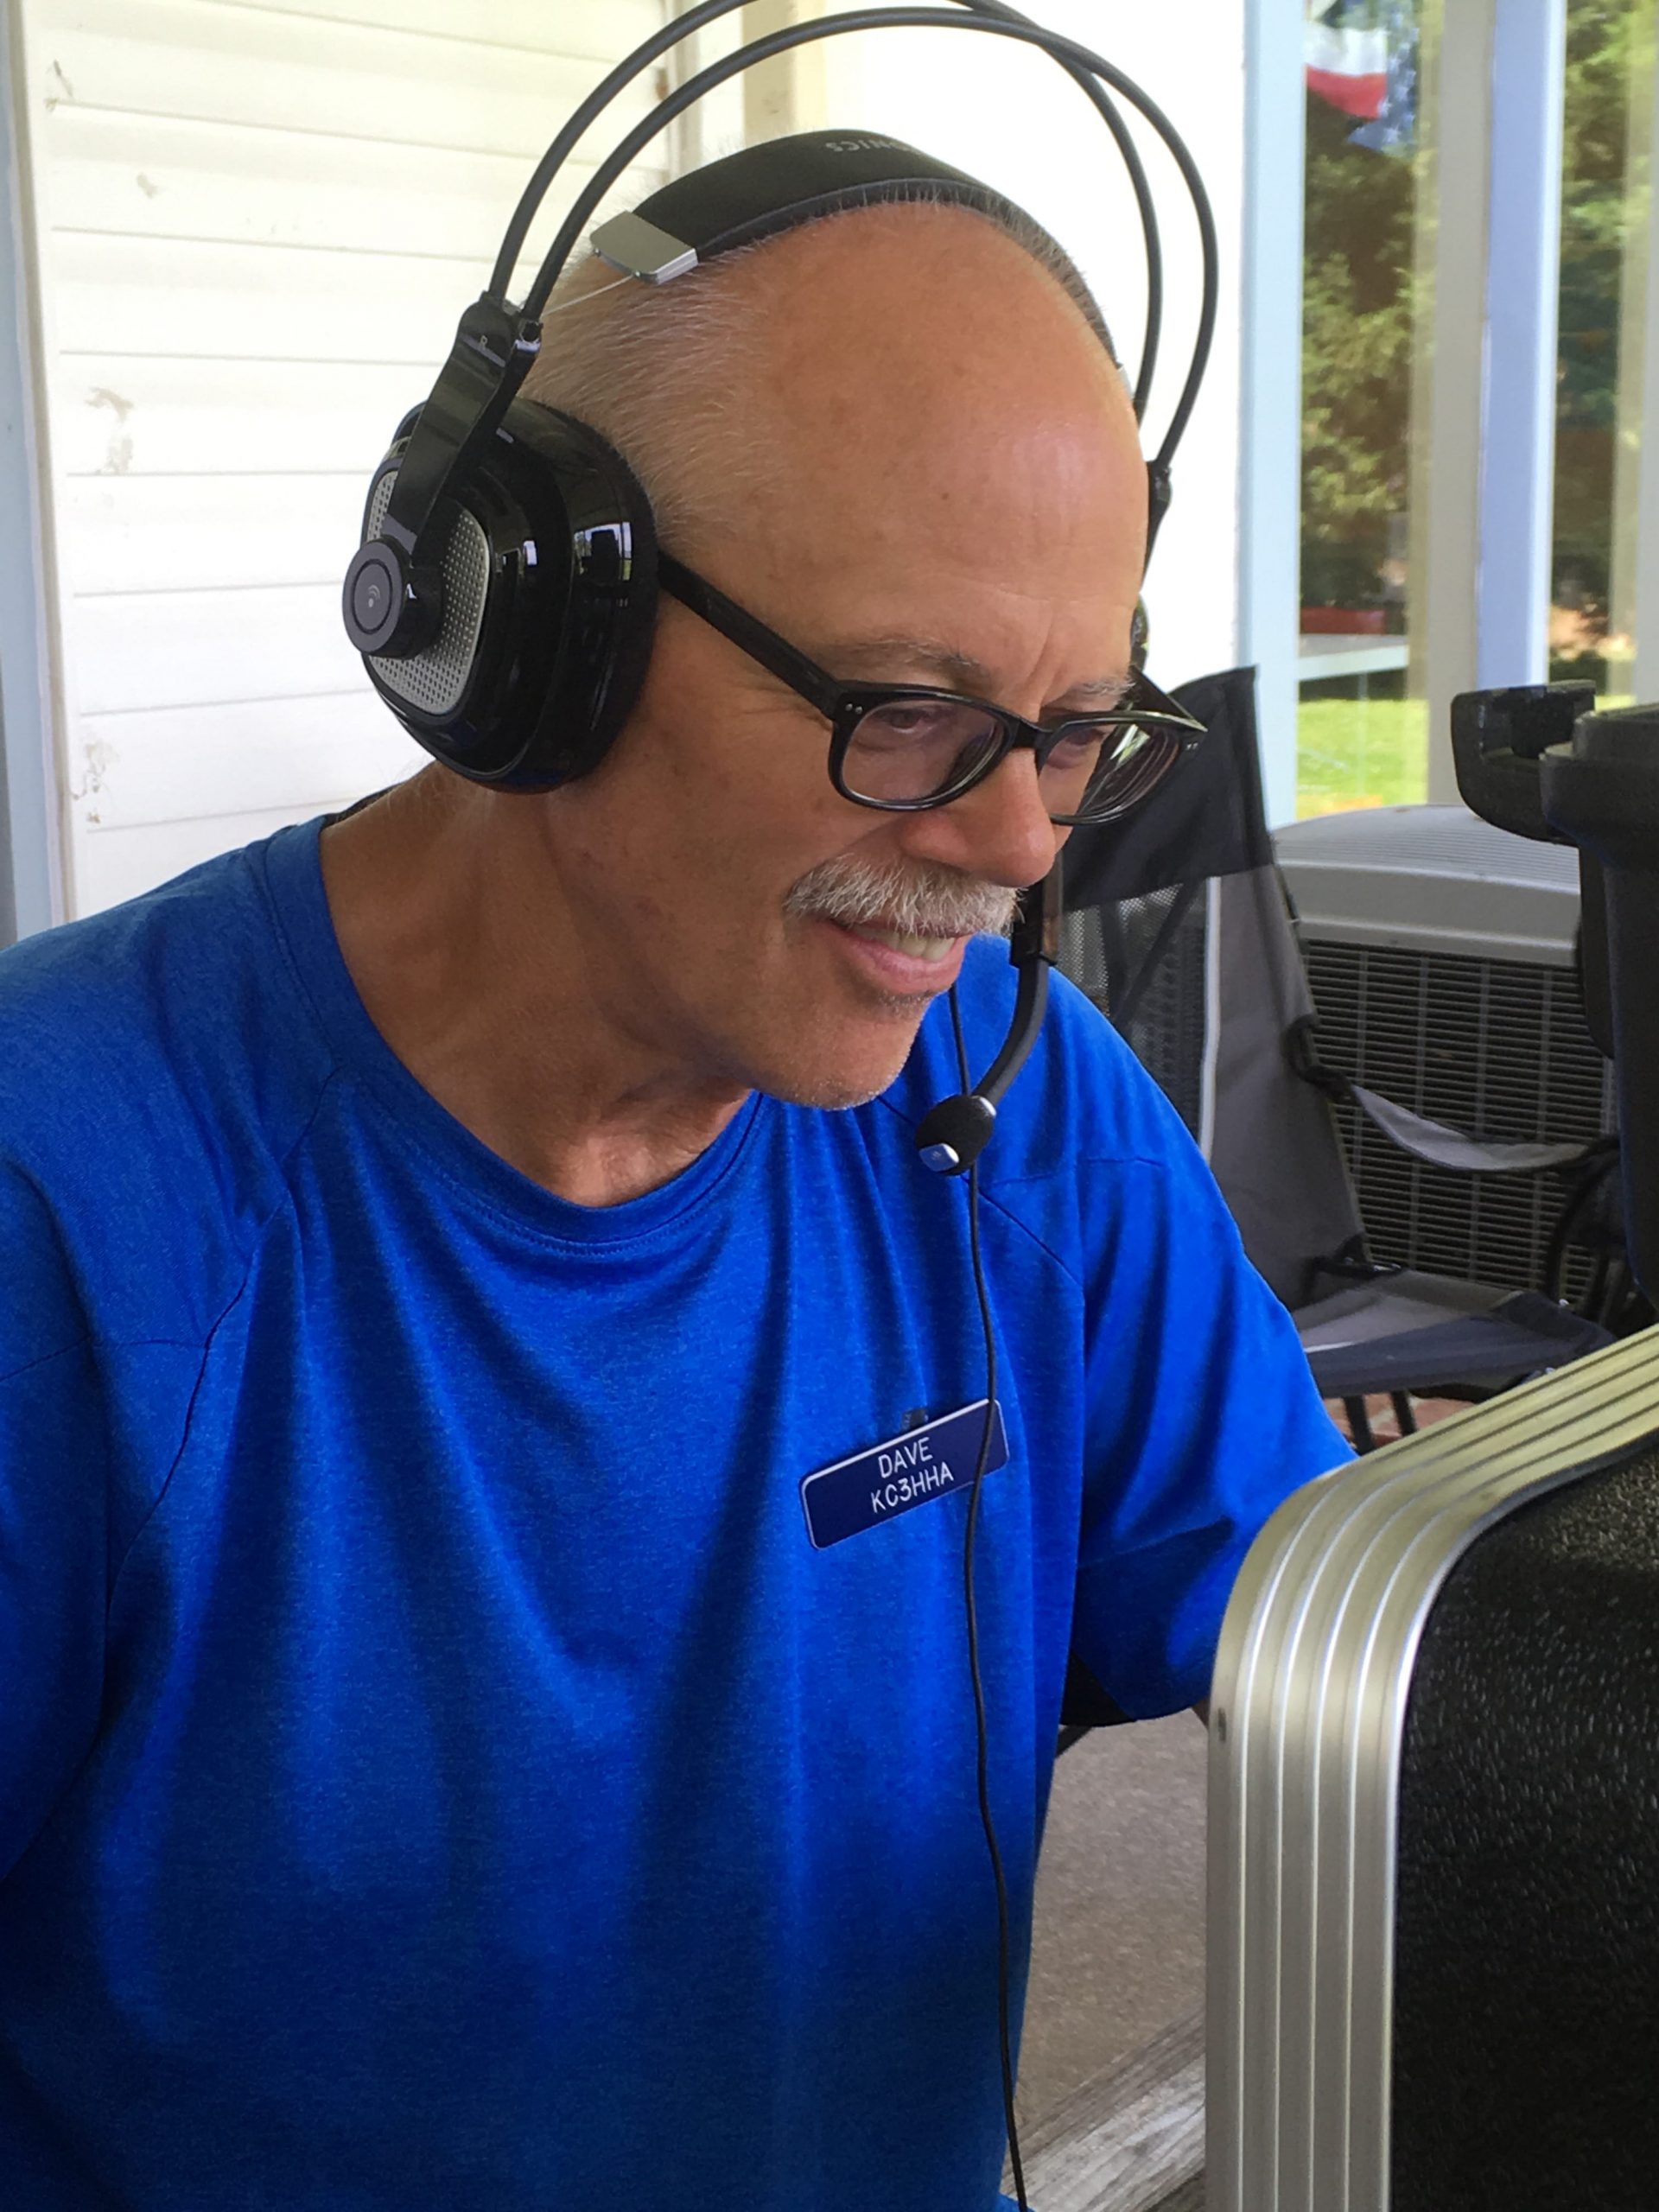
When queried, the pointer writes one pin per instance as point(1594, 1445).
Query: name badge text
point(892, 1479)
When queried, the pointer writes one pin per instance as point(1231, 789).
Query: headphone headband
point(762, 191)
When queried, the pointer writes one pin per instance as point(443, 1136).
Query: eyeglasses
point(903, 748)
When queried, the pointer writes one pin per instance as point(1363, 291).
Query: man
point(440, 1763)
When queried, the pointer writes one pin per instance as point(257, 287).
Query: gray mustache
point(927, 902)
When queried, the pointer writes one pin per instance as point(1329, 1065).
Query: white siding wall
point(256, 228)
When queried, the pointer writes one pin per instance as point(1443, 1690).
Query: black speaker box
point(1434, 1821)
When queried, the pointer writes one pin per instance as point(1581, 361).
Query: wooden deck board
point(1130, 2139)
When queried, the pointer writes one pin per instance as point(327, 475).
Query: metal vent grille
point(1498, 1048)
point(1104, 951)
point(435, 680)
point(1432, 840)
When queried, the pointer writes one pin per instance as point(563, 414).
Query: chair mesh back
point(1142, 963)
point(1142, 899)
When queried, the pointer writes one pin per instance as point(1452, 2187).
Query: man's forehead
point(895, 351)
point(885, 273)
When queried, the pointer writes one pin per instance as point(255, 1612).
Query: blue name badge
point(879, 1484)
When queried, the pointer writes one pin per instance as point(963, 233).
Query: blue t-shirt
point(438, 1767)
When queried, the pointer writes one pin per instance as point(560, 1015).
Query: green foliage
point(1601, 40)
point(1356, 360)
point(1361, 210)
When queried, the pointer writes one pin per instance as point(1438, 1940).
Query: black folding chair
point(1178, 927)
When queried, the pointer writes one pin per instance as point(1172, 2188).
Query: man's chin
point(837, 1080)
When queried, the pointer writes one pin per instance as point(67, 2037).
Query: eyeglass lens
point(906, 751)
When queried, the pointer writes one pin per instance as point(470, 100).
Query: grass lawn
point(1360, 753)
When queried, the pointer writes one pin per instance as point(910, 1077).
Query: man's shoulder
point(156, 989)
point(155, 1061)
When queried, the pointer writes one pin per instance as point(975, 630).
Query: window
point(1377, 128)
point(1361, 741)
point(1608, 61)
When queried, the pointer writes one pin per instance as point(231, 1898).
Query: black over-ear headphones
point(504, 595)
point(518, 660)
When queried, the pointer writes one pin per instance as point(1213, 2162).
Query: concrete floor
point(1117, 1952)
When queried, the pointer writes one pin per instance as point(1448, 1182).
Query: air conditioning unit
point(1441, 956)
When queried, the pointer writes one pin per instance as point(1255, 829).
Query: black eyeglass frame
point(844, 705)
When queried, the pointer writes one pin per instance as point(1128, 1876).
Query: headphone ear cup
point(546, 550)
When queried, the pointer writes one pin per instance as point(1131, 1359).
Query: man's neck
point(503, 1042)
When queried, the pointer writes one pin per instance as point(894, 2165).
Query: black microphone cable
point(1004, 1976)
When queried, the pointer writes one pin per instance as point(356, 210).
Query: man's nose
point(999, 832)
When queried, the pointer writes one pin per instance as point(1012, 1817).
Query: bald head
point(862, 346)
point(904, 369)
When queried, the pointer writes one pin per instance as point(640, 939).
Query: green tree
point(1355, 360)
point(1360, 212)
point(1600, 38)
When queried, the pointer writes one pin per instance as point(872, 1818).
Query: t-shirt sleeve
point(1202, 1419)
point(83, 1427)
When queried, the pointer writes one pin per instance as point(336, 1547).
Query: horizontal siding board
point(307, 74)
point(197, 648)
point(118, 417)
point(151, 295)
point(151, 535)
point(134, 771)
point(599, 29)
point(158, 178)
point(194, 299)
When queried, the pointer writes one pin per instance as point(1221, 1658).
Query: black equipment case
point(1435, 1737)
